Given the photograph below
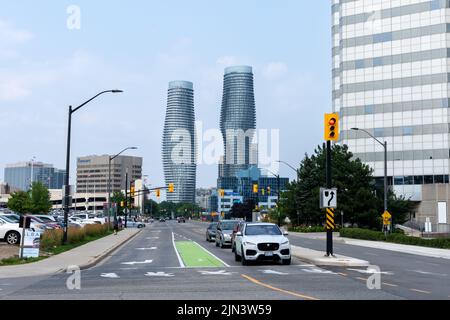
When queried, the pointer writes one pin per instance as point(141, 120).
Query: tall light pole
point(385, 165)
point(67, 182)
point(278, 195)
point(298, 180)
point(111, 158)
point(32, 171)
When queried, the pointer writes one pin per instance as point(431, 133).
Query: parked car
point(137, 224)
point(49, 220)
point(224, 231)
point(10, 231)
point(262, 242)
point(237, 228)
point(211, 232)
point(48, 225)
point(35, 225)
point(90, 217)
point(162, 220)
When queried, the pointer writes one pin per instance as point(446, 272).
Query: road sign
point(328, 198)
point(387, 218)
point(331, 225)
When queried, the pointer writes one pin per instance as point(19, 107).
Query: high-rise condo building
point(21, 175)
point(178, 143)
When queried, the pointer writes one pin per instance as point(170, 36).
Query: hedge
point(304, 229)
point(364, 234)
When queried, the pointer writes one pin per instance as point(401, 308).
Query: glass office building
point(238, 120)
point(178, 143)
point(390, 77)
point(21, 175)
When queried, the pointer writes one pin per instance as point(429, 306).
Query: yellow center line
point(421, 291)
point(390, 284)
point(278, 289)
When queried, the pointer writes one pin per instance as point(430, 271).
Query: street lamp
point(278, 195)
point(67, 186)
point(385, 165)
point(298, 180)
point(109, 182)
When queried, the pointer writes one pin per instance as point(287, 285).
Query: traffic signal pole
point(329, 186)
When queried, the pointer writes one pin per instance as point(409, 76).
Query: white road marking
point(152, 238)
point(274, 272)
point(182, 265)
point(372, 271)
point(109, 275)
point(159, 274)
point(318, 270)
point(305, 265)
point(129, 268)
point(429, 273)
point(217, 273)
point(138, 262)
point(152, 248)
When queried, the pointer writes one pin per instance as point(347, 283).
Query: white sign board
point(328, 198)
point(32, 242)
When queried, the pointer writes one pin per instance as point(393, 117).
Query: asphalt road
point(149, 267)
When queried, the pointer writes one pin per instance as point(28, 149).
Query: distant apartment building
point(92, 173)
point(203, 197)
point(21, 175)
point(391, 76)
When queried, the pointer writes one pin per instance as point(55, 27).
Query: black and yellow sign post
point(331, 134)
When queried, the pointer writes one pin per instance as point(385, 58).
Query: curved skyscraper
point(178, 145)
point(238, 120)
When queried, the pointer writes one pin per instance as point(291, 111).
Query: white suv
point(10, 231)
point(87, 218)
point(262, 242)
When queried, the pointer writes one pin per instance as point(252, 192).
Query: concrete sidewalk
point(84, 257)
point(403, 248)
point(319, 259)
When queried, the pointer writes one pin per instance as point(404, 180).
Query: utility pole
point(329, 186)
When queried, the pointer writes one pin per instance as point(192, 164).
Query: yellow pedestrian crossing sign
point(387, 218)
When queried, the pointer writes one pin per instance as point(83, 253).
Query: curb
point(104, 254)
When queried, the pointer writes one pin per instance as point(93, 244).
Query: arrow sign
point(328, 198)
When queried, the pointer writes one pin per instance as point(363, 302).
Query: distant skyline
point(139, 48)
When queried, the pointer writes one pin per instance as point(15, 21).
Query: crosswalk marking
point(138, 262)
point(159, 274)
point(109, 275)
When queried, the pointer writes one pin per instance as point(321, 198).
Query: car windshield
point(6, 219)
point(228, 225)
point(12, 217)
point(262, 230)
point(212, 226)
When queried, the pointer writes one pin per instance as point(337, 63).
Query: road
point(149, 267)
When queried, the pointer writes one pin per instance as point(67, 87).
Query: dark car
point(162, 220)
point(224, 231)
point(237, 228)
point(181, 219)
point(211, 232)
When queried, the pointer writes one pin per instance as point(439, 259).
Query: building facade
point(20, 175)
point(93, 172)
point(238, 121)
point(390, 77)
point(178, 142)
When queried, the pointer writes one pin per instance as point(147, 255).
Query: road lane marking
point(159, 274)
point(295, 294)
point(318, 270)
point(129, 268)
point(216, 273)
point(362, 279)
point(226, 264)
point(429, 273)
point(180, 261)
point(194, 255)
point(274, 272)
point(389, 284)
point(142, 249)
point(138, 262)
point(342, 274)
point(152, 238)
point(421, 291)
point(371, 271)
point(109, 275)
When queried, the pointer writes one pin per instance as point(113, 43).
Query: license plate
point(268, 254)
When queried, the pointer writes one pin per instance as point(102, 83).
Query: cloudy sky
point(139, 46)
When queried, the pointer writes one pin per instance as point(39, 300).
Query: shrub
point(51, 239)
point(310, 229)
point(93, 230)
point(400, 238)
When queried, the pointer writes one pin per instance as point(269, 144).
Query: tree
point(117, 197)
point(358, 196)
point(19, 202)
point(151, 207)
point(36, 200)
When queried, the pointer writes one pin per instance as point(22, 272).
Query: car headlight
point(249, 244)
point(285, 243)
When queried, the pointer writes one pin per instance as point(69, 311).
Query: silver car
point(224, 232)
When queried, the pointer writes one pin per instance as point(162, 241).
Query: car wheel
point(236, 256)
point(208, 239)
point(233, 248)
point(286, 262)
point(243, 260)
point(217, 244)
point(12, 238)
point(221, 244)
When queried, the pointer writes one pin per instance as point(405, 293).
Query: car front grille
point(268, 246)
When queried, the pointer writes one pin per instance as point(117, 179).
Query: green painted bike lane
point(194, 255)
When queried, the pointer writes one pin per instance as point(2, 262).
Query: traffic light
point(263, 191)
point(133, 190)
point(332, 127)
point(255, 188)
point(171, 187)
point(158, 193)
point(122, 204)
point(222, 193)
point(268, 190)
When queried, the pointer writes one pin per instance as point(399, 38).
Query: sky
point(139, 46)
